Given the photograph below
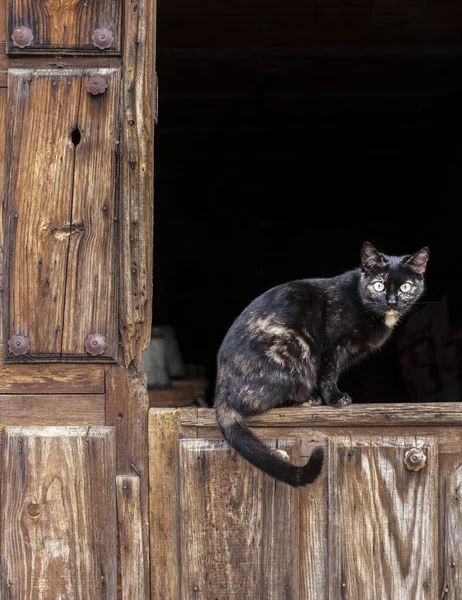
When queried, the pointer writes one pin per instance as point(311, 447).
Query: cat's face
point(390, 285)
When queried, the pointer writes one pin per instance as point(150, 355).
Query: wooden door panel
point(64, 27)
point(91, 277)
point(58, 520)
point(383, 519)
point(61, 266)
point(238, 531)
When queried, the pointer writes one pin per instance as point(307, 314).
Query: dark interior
point(288, 134)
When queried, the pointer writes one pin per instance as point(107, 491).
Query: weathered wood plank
point(383, 522)
point(280, 533)
point(136, 180)
point(127, 408)
point(64, 27)
point(221, 507)
point(386, 415)
point(44, 409)
point(451, 531)
point(58, 519)
point(130, 537)
point(313, 535)
point(51, 379)
point(3, 128)
point(238, 530)
point(164, 509)
point(91, 279)
point(41, 114)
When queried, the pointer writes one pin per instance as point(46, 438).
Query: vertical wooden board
point(3, 126)
point(130, 537)
point(42, 111)
point(313, 536)
point(136, 179)
point(127, 406)
point(234, 527)
point(164, 505)
point(64, 26)
point(383, 521)
point(91, 281)
point(58, 520)
point(451, 534)
point(280, 534)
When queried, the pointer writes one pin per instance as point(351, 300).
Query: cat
point(290, 345)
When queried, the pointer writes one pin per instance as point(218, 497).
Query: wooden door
point(368, 529)
point(77, 113)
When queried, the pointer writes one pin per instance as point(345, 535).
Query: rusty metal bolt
point(22, 36)
point(95, 344)
point(102, 38)
point(415, 459)
point(19, 344)
point(96, 85)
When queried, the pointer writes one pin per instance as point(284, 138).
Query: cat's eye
point(405, 287)
point(378, 286)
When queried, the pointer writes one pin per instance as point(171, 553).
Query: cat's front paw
point(317, 401)
point(339, 400)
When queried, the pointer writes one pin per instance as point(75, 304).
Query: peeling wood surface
point(164, 510)
point(64, 26)
point(383, 520)
point(45, 409)
point(238, 532)
point(127, 406)
point(136, 180)
point(451, 526)
point(130, 537)
point(432, 414)
point(61, 244)
point(3, 127)
point(58, 520)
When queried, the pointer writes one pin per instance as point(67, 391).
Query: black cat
point(290, 345)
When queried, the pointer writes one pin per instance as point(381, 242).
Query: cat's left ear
point(418, 261)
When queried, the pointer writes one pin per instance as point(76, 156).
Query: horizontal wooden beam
point(431, 414)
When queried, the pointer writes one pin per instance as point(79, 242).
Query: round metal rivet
point(19, 344)
point(415, 459)
point(95, 344)
point(102, 38)
point(96, 85)
point(22, 36)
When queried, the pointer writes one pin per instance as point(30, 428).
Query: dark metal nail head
point(19, 344)
point(22, 36)
point(95, 344)
point(102, 38)
point(96, 85)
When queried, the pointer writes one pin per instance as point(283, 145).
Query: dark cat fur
point(289, 346)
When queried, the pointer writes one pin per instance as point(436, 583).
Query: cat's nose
point(392, 303)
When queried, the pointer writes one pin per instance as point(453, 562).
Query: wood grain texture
point(313, 515)
point(45, 239)
point(127, 408)
point(64, 26)
point(431, 414)
point(164, 506)
point(3, 128)
point(130, 537)
point(58, 522)
point(51, 379)
point(451, 530)
point(238, 533)
point(136, 179)
point(45, 409)
point(91, 272)
point(383, 524)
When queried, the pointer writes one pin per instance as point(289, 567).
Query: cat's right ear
point(371, 257)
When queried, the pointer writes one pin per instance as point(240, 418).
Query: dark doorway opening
point(285, 139)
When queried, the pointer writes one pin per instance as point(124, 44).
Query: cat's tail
point(240, 437)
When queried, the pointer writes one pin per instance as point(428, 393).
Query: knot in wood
point(33, 510)
point(22, 36)
point(18, 344)
point(415, 459)
point(102, 38)
point(96, 85)
point(95, 344)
